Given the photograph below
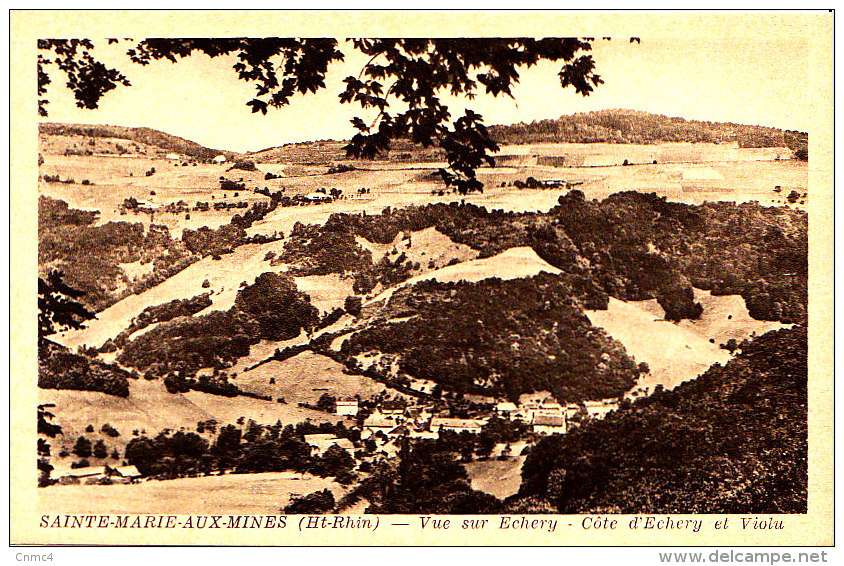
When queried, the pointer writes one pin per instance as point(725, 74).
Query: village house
point(505, 409)
point(550, 408)
point(219, 159)
point(379, 421)
point(548, 424)
point(457, 425)
point(396, 407)
point(347, 407)
point(322, 442)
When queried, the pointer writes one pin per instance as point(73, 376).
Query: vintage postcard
point(440, 278)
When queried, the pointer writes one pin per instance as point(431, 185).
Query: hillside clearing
point(304, 378)
point(150, 407)
point(224, 277)
point(514, 263)
point(678, 352)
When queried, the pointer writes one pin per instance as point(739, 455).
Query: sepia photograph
point(489, 281)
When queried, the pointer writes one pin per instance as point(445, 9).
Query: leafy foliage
point(57, 306)
point(87, 78)
point(60, 369)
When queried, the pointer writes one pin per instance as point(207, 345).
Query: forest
point(632, 246)
point(631, 126)
point(500, 338)
point(59, 368)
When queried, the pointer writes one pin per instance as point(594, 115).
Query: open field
point(116, 178)
point(514, 263)
point(150, 407)
point(304, 378)
point(500, 478)
point(678, 352)
point(231, 494)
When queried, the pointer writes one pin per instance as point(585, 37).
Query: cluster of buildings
point(550, 417)
point(394, 418)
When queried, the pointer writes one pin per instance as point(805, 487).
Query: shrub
point(82, 448)
point(83, 463)
point(110, 430)
point(315, 503)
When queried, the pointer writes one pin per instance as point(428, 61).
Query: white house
point(393, 407)
point(506, 409)
point(347, 407)
point(173, 156)
point(549, 408)
point(219, 159)
point(377, 421)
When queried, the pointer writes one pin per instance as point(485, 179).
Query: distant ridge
point(145, 135)
point(604, 126)
point(633, 126)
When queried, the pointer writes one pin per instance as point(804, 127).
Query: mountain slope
point(145, 135)
point(734, 440)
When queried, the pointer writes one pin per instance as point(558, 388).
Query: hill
point(148, 136)
point(631, 126)
point(327, 152)
point(733, 440)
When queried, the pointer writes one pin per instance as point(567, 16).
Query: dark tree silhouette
point(50, 430)
point(87, 78)
point(57, 307)
point(403, 81)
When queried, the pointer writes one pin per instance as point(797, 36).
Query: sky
point(750, 80)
